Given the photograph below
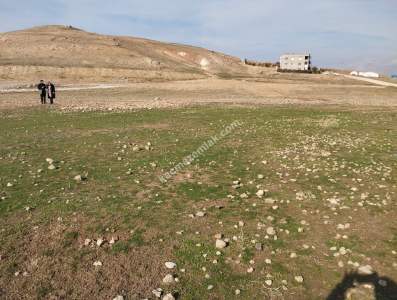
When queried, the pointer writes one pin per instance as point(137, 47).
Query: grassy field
point(328, 178)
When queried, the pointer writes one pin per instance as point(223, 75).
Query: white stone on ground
point(170, 265)
point(220, 244)
point(299, 279)
point(168, 279)
point(97, 264)
point(113, 240)
point(270, 231)
point(260, 193)
point(157, 292)
point(365, 270)
point(169, 297)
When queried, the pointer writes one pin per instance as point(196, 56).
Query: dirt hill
point(71, 54)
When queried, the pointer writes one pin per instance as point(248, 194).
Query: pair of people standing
point(46, 90)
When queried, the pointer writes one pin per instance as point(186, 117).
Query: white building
point(296, 62)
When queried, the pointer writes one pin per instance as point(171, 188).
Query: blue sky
point(356, 34)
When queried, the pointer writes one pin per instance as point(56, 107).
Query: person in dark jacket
point(43, 91)
point(51, 92)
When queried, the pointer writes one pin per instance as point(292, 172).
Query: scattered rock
point(169, 297)
point(260, 193)
point(220, 244)
point(169, 279)
point(258, 246)
point(270, 231)
point(170, 265)
point(79, 178)
point(299, 279)
point(365, 270)
point(158, 292)
point(97, 264)
point(113, 240)
point(200, 214)
point(119, 297)
point(99, 242)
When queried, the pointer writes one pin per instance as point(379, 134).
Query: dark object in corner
point(384, 287)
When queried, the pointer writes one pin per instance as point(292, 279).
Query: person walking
point(51, 92)
point(43, 91)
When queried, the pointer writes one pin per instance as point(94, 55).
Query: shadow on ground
point(384, 287)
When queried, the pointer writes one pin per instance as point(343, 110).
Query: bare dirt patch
point(210, 91)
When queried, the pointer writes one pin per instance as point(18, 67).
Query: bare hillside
point(66, 52)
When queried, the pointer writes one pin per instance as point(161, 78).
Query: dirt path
point(269, 91)
point(66, 88)
point(370, 80)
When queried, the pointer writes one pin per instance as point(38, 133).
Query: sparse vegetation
point(328, 178)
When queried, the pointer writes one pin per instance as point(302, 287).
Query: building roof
point(296, 54)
